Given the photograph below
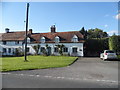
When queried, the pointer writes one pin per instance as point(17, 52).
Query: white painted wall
point(68, 45)
point(12, 45)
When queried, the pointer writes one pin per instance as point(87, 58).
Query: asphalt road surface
point(84, 73)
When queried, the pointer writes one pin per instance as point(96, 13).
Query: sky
point(67, 16)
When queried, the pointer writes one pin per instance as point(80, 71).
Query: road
point(84, 73)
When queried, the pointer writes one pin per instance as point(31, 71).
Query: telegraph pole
point(25, 53)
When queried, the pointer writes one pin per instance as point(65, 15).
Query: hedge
point(95, 46)
point(114, 43)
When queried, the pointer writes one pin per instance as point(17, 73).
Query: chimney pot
point(53, 29)
point(30, 31)
point(7, 30)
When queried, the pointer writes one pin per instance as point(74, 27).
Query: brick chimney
point(7, 30)
point(30, 31)
point(53, 29)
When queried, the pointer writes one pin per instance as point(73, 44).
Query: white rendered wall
point(12, 45)
point(79, 47)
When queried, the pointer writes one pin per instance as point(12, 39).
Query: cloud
point(112, 32)
point(117, 16)
point(105, 25)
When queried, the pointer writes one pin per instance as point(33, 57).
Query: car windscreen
point(109, 51)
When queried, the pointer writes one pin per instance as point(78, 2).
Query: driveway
point(84, 73)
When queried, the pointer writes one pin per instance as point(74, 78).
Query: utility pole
point(25, 53)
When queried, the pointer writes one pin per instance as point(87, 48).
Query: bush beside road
point(119, 57)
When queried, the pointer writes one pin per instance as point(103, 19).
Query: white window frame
point(57, 39)
point(42, 40)
point(28, 40)
point(65, 49)
point(75, 38)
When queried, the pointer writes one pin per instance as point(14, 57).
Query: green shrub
point(118, 56)
point(95, 46)
point(18, 52)
point(36, 48)
point(114, 43)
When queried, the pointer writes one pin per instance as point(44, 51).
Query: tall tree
point(84, 32)
point(96, 33)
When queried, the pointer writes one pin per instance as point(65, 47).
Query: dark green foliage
point(47, 50)
point(84, 33)
point(93, 33)
point(114, 43)
point(36, 48)
point(18, 52)
point(93, 47)
point(96, 33)
point(44, 51)
point(60, 49)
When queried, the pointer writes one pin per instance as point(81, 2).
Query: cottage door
point(74, 51)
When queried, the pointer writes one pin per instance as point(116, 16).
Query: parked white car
point(108, 54)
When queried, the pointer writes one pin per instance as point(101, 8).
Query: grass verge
point(35, 62)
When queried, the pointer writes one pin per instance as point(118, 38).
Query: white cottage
point(72, 41)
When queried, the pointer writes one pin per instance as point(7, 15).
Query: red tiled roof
point(65, 37)
point(12, 36)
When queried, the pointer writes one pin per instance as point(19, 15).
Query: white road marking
point(37, 75)
point(69, 78)
point(31, 75)
point(5, 73)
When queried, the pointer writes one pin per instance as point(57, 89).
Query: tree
point(114, 43)
point(114, 34)
point(84, 33)
point(60, 48)
point(95, 46)
point(96, 33)
point(82, 30)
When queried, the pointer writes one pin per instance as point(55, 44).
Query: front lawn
point(35, 62)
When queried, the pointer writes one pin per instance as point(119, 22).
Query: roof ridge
point(60, 32)
point(13, 32)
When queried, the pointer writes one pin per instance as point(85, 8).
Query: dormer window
point(42, 39)
point(57, 39)
point(75, 38)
